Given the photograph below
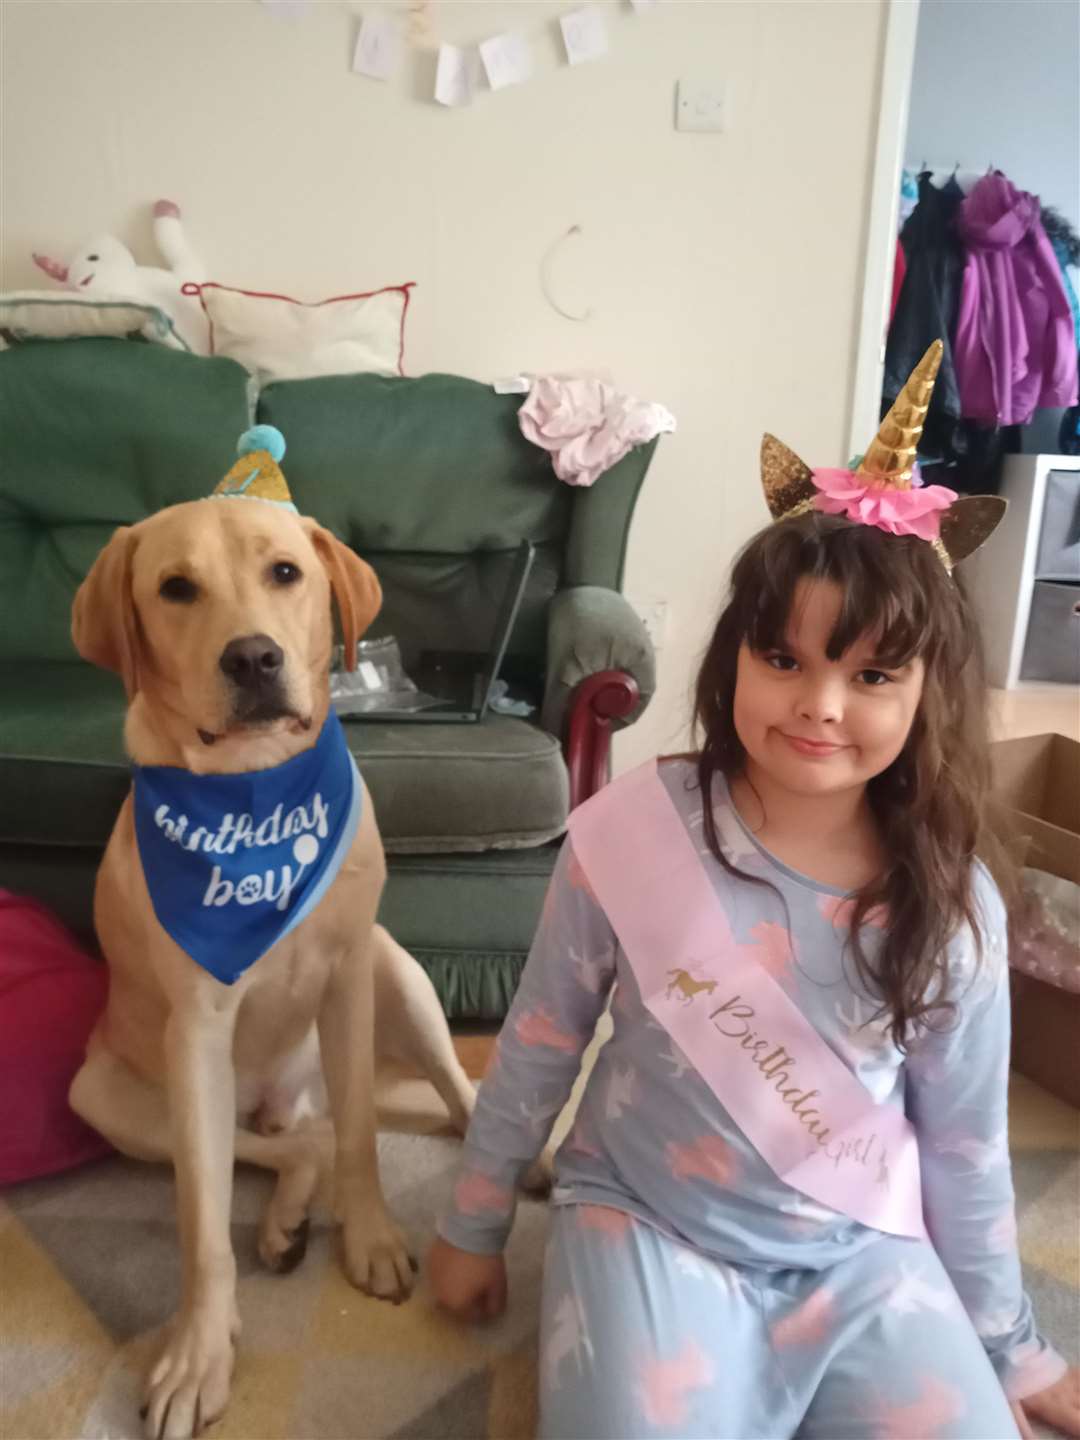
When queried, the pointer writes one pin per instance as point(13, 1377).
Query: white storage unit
point(1025, 581)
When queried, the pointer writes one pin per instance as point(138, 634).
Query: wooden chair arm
point(597, 701)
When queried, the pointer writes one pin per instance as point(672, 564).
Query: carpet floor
point(89, 1274)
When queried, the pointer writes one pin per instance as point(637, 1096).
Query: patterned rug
point(89, 1273)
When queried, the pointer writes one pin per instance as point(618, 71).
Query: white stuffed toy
point(106, 269)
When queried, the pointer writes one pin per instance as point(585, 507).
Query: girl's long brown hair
point(929, 804)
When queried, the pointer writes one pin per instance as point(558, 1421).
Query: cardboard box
point(1037, 814)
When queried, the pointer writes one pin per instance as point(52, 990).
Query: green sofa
point(432, 482)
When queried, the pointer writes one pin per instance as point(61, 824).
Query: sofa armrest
point(595, 706)
point(592, 630)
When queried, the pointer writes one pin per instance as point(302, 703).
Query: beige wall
point(723, 271)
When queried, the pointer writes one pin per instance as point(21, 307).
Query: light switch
point(699, 105)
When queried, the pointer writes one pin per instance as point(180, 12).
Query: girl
point(785, 1204)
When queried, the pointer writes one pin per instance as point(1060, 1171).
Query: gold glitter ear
point(969, 522)
point(786, 480)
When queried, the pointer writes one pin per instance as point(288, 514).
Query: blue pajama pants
point(643, 1337)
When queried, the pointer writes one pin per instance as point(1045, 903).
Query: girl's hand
point(471, 1287)
point(1023, 1429)
point(1058, 1405)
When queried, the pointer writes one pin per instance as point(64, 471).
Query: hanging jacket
point(1062, 257)
point(926, 309)
point(1015, 346)
point(899, 271)
point(1065, 243)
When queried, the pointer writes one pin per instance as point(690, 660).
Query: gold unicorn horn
point(891, 457)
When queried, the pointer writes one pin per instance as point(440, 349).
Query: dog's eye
point(285, 574)
point(179, 589)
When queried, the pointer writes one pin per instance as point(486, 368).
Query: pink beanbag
point(51, 994)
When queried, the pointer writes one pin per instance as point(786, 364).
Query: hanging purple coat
point(1015, 346)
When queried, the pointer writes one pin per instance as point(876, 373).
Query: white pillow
point(63, 315)
point(281, 339)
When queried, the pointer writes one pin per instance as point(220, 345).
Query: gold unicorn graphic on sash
point(687, 986)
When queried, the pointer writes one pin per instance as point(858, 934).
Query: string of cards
point(502, 60)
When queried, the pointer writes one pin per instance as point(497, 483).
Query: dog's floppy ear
point(104, 625)
point(357, 592)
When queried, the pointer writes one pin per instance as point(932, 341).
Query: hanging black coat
point(926, 311)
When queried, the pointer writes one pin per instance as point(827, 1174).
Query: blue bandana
point(234, 862)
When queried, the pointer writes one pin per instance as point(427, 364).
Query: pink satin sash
point(800, 1106)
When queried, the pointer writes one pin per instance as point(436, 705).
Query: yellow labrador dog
point(217, 614)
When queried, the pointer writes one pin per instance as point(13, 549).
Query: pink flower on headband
point(901, 512)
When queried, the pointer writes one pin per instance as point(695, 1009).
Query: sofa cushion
point(433, 483)
point(278, 338)
point(63, 772)
point(436, 788)
point(430, 466)
point(497, 785)
point(96, 434)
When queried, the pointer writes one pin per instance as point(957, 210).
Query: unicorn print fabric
point(822, 1132)
point(234, 862)
point(686, 1280)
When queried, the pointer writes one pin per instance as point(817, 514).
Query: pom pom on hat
point(262, 437)
point(256, 476)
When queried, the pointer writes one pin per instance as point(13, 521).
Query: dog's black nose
point(252, 661)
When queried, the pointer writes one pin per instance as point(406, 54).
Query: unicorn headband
point(884, 488)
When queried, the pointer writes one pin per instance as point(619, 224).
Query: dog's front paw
point(377, 1258)
point(188, 1388)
